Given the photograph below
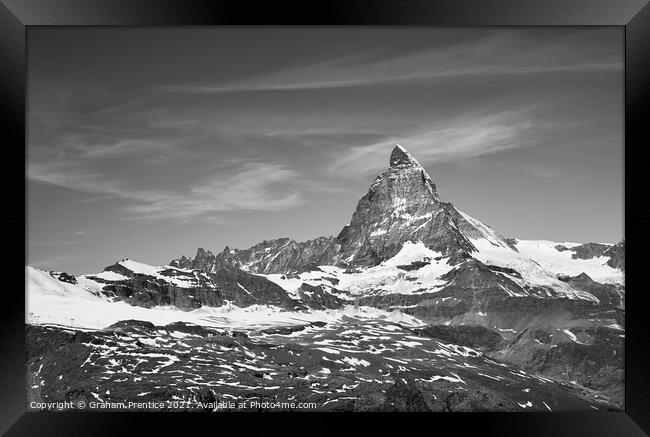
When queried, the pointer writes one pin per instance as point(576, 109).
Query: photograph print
point(325, 219)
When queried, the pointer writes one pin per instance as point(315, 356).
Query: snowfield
point(52, 302)
point(545, 254)
point(531, 272)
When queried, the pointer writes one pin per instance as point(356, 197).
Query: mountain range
point(555, 309)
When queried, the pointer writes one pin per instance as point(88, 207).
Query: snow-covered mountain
point(403, 245)
point(406, 257)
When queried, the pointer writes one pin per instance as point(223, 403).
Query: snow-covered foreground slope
point(50, 301)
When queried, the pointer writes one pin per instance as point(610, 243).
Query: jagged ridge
point(282, 255)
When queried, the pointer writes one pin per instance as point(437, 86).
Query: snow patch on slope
point(108, 276)
point(385, 278)
point(187, 279)
point(43, 283)
point(410, 253)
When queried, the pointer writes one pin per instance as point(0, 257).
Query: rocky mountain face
point(402, 205)
point(189, 290)
point(556, 309)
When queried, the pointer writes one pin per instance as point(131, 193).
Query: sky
point(147, 143)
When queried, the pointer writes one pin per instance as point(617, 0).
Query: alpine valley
point(413, 306)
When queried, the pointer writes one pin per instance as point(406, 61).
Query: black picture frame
point(17, 16)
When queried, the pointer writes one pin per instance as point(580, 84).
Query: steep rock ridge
point(402, 205)
point(281, 255)
point(616, 254)
point(204, 261)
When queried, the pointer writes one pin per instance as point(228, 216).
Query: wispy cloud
point(502, 53)
point(184, 153)
point(528, 169)
point(252, 187)
point(449, 140)
point(124, 148)
point(300, 79)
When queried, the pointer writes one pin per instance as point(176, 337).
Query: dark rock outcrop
point(616, 254)
point(609, 294)
point(588, 250)
point(317, 297)
point(64, 277)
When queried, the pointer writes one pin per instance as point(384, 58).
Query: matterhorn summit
point(401, 206)
point(400, 157)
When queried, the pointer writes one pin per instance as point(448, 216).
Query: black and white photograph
point(364, 219)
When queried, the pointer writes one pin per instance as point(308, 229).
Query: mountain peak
point(402, 206)
point(400, 157)
point(202, 253)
